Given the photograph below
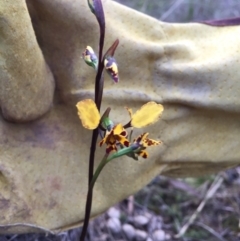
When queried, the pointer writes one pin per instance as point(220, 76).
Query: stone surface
point(129, 231)
point(149, 239)
point(114, 225)
point(141, 235)
point(154, 224)
point(167, 236)
point(113, 213)
point(140, 220)
point(158, 235)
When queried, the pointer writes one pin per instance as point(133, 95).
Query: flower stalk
point(115, 136)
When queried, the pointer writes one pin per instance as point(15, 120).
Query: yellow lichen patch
point(148, 114)
point(88, 113)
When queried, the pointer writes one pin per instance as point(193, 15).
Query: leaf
point(111, 50)
point(106, 123)
point(88, 113)
point(148, 114)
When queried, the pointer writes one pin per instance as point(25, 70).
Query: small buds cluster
point(110, 63)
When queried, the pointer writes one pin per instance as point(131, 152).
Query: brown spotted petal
point(143, 154)
point(142, 142)
point(117, 135)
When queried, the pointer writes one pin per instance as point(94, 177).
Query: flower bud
point(90, 57)
point(111, 68)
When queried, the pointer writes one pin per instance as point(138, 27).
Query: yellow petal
point(88, 113)
point(148, 114)
point(119, 130)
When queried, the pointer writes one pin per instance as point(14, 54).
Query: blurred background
point(186, 10)
point(192, 209)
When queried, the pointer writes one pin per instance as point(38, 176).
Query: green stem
point(106, 159)
point(89, 197)
point(98, 171)
point(121, 152)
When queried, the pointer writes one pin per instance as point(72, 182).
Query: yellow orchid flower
point(117, 134)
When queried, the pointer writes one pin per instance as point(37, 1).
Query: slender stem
point(90, 194)
point(92, 155)
point(121, 152)
point(99, 83)
point(100, 167)
point(98, 171)
point(98, 99)
point(106, 159)
point(88, 206)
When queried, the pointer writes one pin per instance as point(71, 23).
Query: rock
point(154, 224)
point(114, 225)
point(113, 213)
point(140, 221)
point(141, 235)
point(129, 231)
point(158, 235)
point(167, 236)
point(148, 215)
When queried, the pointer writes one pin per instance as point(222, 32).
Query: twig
point(210, 193)
point(210, 230)
point(177, 225)
point(144, 6)
point(130, 206)
point(171, 9)
point(13, 237)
